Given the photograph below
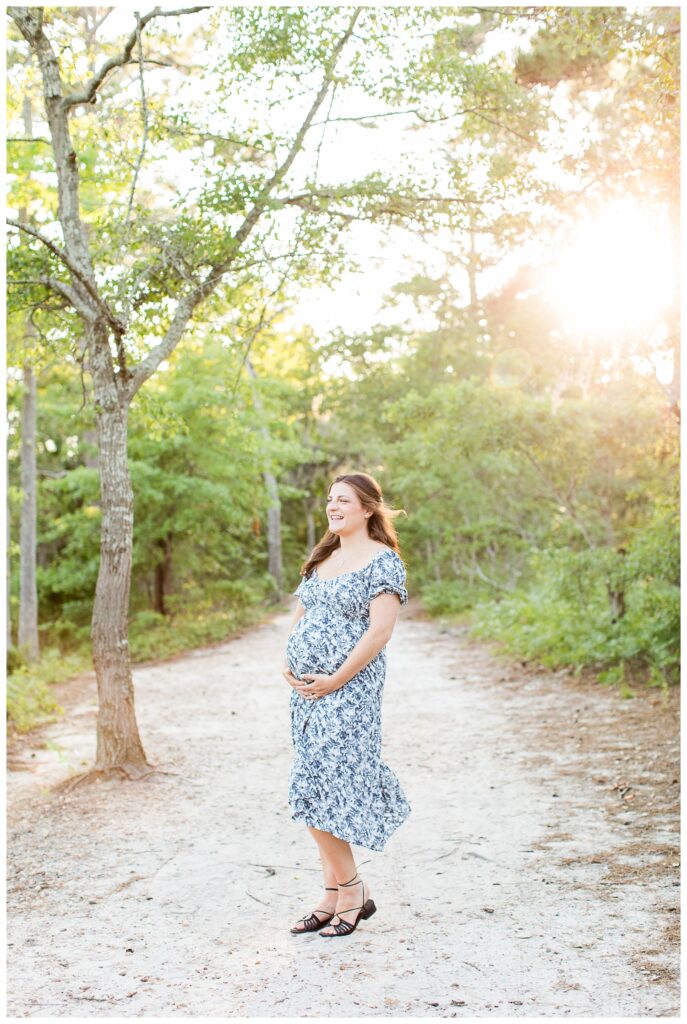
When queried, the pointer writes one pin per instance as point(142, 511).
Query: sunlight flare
point(617, 272)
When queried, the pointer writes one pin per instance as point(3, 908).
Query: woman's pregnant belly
point(321, 645)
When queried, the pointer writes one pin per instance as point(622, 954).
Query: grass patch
point(29, 699)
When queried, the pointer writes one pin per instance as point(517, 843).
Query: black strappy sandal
point(345, 927)
point(312, 923)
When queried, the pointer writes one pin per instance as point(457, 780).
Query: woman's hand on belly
point(305, 688)
point(319, 685)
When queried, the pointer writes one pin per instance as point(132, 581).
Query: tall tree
point(274, 506)
point(28, 594)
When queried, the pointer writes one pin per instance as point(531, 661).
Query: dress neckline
point(351, 572)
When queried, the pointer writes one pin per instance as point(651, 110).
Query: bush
point(564, 617)
point(447, 597)
point(29, 700)
point(153, 636)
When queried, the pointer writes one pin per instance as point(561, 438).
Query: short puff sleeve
point(388, 576)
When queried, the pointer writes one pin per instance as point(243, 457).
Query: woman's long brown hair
point(379, 526)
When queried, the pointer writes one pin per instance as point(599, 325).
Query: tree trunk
point(309, 524)
point(28, 595)
point(274, 559)
point(616, 591)
point(472, 267)
point(89, 447)
point(163, 573)
point(118, 741)
point(9, 562)
point(274, 556)
point(434, 566)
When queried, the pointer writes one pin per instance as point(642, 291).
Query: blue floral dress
point(339, 782)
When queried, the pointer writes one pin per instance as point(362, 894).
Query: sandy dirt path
point(536, 875)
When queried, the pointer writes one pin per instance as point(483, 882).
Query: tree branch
point(45, 142)
point(114, 323)
point(330, 193)
point(149, 365)
point(144, 111)
point(66, 163)
point(86, 94)
point(553, 494)
point(367, 117)
point(63, 289)
point(262, 321)
point(253, 216)
point(188, 303)
point(477, 111)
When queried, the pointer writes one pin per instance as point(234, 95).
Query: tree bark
point(274, 546)
point(28, 594)
point(118, 741)
point(9, 561)
point(274, 559)
point(615, 589)
point(163, 572)
point(472, 266)
point(309, 524)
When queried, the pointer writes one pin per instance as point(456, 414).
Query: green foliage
point(153, 636)
point(576, 44)
point(624, 65)
point(197, 452)
point(562, 617)
point(446, 598)
point(29, 700)
point(555, 524)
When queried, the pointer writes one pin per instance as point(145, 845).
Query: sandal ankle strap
point(352, 881)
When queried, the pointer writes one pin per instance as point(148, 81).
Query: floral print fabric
point(339, 782)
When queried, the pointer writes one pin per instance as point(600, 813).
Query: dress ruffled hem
point(369, 844)
point(311, 812)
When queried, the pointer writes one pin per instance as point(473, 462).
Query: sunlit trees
point(616, 71)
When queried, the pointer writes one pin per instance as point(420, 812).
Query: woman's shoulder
point(388, 575)
point(388, 550)
point(386, 556)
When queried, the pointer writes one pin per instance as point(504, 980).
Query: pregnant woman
point(352, 589)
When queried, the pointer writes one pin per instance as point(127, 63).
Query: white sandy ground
point(523, 884)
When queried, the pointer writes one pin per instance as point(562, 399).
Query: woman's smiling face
point(345, 514)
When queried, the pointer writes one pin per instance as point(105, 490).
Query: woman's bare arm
point(384, 611)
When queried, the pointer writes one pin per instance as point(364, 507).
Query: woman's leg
point(327, 902)
point(337, 854)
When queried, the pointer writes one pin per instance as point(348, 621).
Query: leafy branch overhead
point(182, 251)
